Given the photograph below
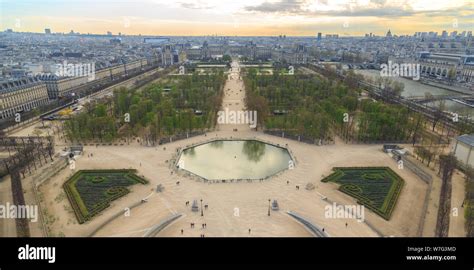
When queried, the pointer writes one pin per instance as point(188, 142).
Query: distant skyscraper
point(109, 33)
point(389, 34)
point(444, 34)
point(47, 31)
point(320, 36)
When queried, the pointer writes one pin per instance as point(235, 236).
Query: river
point(415, 88)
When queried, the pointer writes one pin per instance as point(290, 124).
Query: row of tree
point(316, 107)
point(469, 201)
point(175, 105)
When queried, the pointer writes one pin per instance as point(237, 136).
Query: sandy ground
point(457, 220)
point(7, 226)
point(234, 208)
point(458, 193)
point(251, 199)
point(234, 98)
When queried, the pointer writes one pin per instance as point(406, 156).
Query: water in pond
point(225, 160)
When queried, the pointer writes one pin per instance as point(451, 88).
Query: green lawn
point(91, 191)
point(377, 188)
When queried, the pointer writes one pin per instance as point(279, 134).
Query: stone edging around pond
point(209, 181)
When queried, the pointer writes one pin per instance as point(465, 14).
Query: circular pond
point(244, 159)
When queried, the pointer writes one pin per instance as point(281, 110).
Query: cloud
point(371, 12)
point(380, 2)
point(466, 12)
point(283, 6)
point(298, 7)
point(373, 8)
point(196, 5)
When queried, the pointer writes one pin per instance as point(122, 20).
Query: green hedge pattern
point(91, 191)
point(377, 188)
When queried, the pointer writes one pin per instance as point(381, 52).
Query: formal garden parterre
point(91, 191)
point(377, 188)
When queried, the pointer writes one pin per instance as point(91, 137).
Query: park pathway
point(234, 98)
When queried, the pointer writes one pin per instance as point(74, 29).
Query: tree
point(451, 74)
point(226, 58)
point(447, 164)
point(152, 113)
point(438, 113)
point(416, 129)
point(468, 203)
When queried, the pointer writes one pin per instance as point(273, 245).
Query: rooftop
point(467, 139)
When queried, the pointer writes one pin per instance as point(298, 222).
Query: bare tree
point(447, 164)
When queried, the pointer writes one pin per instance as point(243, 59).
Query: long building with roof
point(22, 95)
point(463, 150)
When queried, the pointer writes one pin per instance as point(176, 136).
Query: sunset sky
point(237, 17)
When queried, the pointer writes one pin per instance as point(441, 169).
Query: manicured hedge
point(377, 188)
point(89, 196)
point(469, 216)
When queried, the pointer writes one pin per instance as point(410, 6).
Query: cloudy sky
point(237, 17)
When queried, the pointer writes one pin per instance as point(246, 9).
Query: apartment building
point(22, 95)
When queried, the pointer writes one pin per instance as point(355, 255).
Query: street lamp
point(202, 212)
point(269, 207)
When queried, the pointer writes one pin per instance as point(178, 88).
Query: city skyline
point(245, 18)
point(149, 119)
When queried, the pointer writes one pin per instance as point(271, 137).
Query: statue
point(275, 206)
point(195, 207)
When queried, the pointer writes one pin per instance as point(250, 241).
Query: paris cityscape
point(237, 119)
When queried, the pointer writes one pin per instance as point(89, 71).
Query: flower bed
point(91, 191)
point(377, 188)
